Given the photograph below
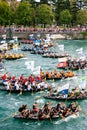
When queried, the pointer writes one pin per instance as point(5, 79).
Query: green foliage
point(60, 6)
point(84, 34)
point(24, 14)
point(5, 13)
point(81, 17)
point(65, 17)
point(73, 9)
point(44, 14)
point(30, 12)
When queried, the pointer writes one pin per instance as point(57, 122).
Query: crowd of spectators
point(56, 29)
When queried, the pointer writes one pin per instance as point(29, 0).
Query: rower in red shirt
point(24, 81)
point(21, 77)
point(13, 79)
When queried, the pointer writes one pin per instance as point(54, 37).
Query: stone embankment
point(25, 35)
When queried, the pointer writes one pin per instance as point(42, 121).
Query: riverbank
point(53, 35)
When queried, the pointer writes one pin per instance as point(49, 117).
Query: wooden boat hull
point(56, 56)
point(52, 118)
point(63, 99)
point(58, 78)
point(23, 90)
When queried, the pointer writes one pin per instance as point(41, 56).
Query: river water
point(9, 103)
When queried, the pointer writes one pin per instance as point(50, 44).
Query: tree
point(65, 17)
point(81, 17)
point(44, 14)
point(5, 13)
point(24, 14)
point(73, 10)
point(60, 6)
point(13, 6)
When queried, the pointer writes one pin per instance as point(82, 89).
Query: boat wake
point(75, 77)
point(67, 119)
point(40, 101)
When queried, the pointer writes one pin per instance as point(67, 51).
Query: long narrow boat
point(14, 56)
point(68, 98)
point(56, 75)
point(35, 117)
point(76, 96)
point(55, 55)
point(73, 64)
point(53, 112)
point(56, 117)
point(23, 90)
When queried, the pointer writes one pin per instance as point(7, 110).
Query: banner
point(29, 64)
point(64, 89)
point(4, 37)
point(62, 64)
point(31, 37)
point(79, 51)
point(61, 47)
point(37, 42)
point(38, 34)
point(62, 59)
point(36, 71)
point(82, 57)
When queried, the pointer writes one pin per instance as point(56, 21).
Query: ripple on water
point(10, 103)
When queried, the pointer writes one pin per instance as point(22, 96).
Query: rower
point(13, 79)
point(29, 86)
point(21, 77)
point(35, 108)
point(23, 110)
point(17, 85)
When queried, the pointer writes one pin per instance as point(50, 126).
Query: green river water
point(10, 103)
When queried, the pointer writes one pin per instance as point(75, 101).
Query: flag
point(82, 85)
point(82, 57)
point(29, 64)
point(61, 47)
point(15, 39)
point(64, 89)
point(79, 51)
point(4, 37)
point(3, 46)
point(3, 42)
point(62, 59)
point(36, 71)
point(31, 37)
point(38, 34)
point(62, 64)
point(37, 42)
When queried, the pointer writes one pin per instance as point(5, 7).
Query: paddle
point(10, 90)
point(83, 111)
point(9, 93)
point(32, 92)
point(20, 92)
point(11, 115)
